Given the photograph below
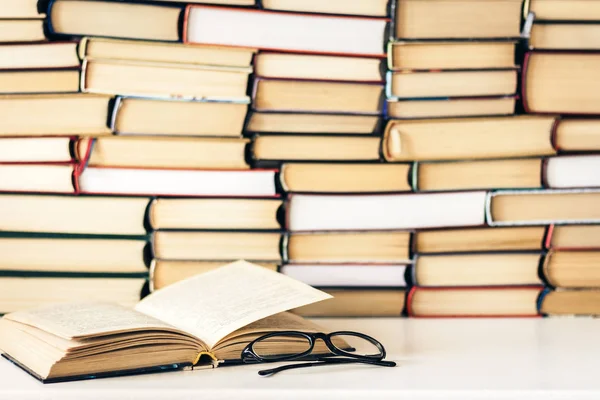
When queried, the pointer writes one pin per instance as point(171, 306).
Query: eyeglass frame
point(248, 355)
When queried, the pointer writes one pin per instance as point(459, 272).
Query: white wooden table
point(437, 359)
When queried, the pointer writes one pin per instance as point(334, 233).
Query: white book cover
point(178, 182)
point(289, 31)
point(347, 275)
point(573, 172)
point(384, 212)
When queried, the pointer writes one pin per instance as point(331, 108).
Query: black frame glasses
point(337, 355)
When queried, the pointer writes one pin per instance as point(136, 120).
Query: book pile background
point(146, 142)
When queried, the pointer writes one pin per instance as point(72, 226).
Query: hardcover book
point(22, 30)
point(152, 116)
point(451, 107)
point(570, 302)
point(561, 82)
point(517, 301)
point(114, 19)
point(469, 138)
point(458, 19)
point(54, 114)
point(542, 207)
point(384, 212)
point(35, 149)
point(357, 302)
point(19, 9)
point(282, 31)
point(477, 269)
point(450, 55)
point(565, 10)
point(449, 84)
point(57, 288)
point(284, 95)
point(73, 215)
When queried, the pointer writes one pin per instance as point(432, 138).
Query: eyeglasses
point(343, 347)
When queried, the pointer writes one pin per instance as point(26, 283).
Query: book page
point(212, 305)
point(79, 320)
point(284, 321)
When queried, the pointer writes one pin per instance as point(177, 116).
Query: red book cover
point(414, 289)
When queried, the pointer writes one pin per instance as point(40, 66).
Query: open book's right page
point(212, 305)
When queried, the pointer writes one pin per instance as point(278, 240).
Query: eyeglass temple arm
point(325, 361)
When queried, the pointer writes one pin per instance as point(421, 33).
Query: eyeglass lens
point(278, 346)
point(356, 345)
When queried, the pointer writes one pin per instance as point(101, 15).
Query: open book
point(206, 320)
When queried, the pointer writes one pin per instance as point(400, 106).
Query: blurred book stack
point(561, 76)
point(375, 149)
point(317, 102)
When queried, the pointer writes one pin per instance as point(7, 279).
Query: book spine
point(112, 124)
point(547, 241)
point(284, 246)
point(414, 176)
point(83, 77)
point(412, 245)
point(281, 214)
point(545, 263)
point(544, 173)
point(388, 86)
point(75, 177)
point(391, 13)
point(413, 270)
point(184, 24)
point(540, 299)
point(49, 26)
point(282, 183)
point(489, 220)
point(554, 134)
point(526, 8)
point(83, 47)
point(384, 146)
point(525, 71)
point(254, 92)
point(151, 273)
point(288, 210)
point(152, 242)
point(409, 299)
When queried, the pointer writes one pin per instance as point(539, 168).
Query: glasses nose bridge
point(322, 336)
point(325, 338)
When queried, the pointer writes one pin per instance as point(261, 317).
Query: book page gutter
point(212, 305)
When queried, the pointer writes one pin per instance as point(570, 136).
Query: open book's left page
point(77, 320)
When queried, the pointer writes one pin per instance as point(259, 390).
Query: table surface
point(437, 359)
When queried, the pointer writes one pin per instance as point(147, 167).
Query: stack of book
point(21, 21)
point(561, 77)
point(453, 58)
point(316, 114)
point(148, 141)
point(451, 61)
point(67, 248)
